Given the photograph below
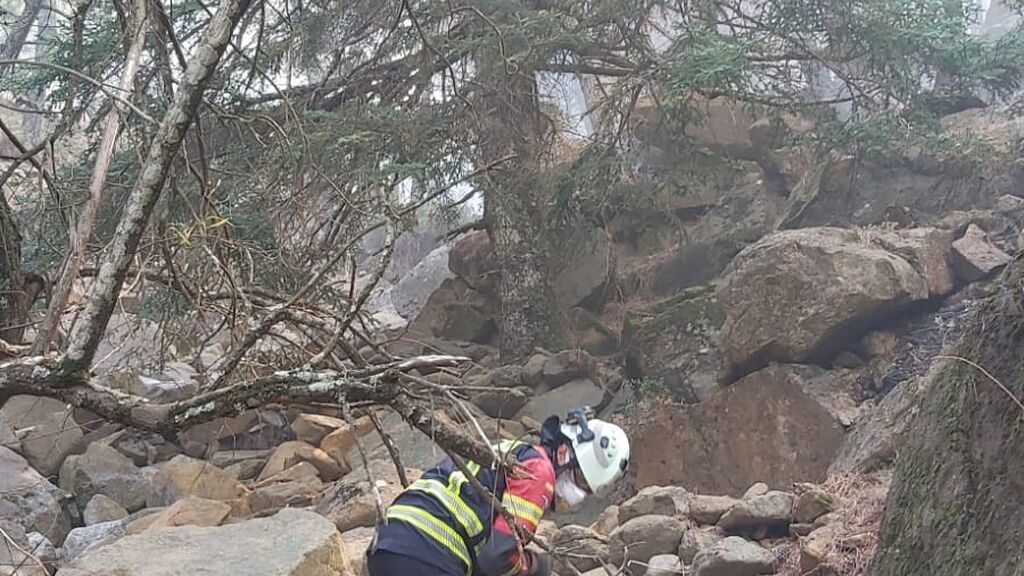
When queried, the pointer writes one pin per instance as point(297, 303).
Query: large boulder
point(290, 543)
point(768, 427)
point(472, 259)
point(411, 293)
point(103, 470)
point(644, 537)
point(799, 295)
point(734, 556)
point(565, 398)
point(584, 278)
point(675, 346)
point(455, 311)
point(30, 500)
point(184, 476)
point(52, 432)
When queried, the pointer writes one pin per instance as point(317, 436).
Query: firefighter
point(441, 526)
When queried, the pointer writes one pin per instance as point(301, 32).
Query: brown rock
point(339, 443)
point(191, 511)
point(974, 257)
point(246, 469)
point(184, 476)
point(472, 259)
point(296, 493)
point(765, 428)
point(815, 547)
point(356, 543)
point(291, 453)
point(300, 471)
point(312, 428)
point(811, 505)
point(798, 295)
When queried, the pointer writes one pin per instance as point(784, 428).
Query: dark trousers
point(384, 563)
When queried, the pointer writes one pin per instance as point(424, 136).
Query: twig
point(389, 444)
point(378, 501)
point(28, 555)
point(981, 369)
point(103, 87)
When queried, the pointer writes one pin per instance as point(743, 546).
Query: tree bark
point(512, 124)
point(957, 498)
point(82, 230)
point(166, 143)
point(13, 300)
point(18, 32)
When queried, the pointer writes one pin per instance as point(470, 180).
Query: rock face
point(766, 427)
point(958, 480)
point(797, 295)
point(30, 500)
point(54, 433)
point(103, 470)
point(675, 345)
point(734, 556)
point(644, 537)
point(290, 543)
point(974, 257)
point(184, 476)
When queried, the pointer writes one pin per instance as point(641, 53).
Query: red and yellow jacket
point(442, 520)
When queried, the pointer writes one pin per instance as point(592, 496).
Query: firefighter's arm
point(526, 497)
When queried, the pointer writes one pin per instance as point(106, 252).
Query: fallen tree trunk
point(379, 384)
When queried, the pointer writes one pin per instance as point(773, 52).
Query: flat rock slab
point(290, 543)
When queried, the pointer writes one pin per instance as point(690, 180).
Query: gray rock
point(975, 257)
point(709, 509)
point(645, 537)
point(696, 541)
point(102, 509)
point(81, 540)
point(41, 547)
point(175, 382)
point(52, 433)
point(766, 514)
point(665, 565)
point(24, 494)
point(568, 397)
point(663, 500)
point(758, 489)
point(104, 470)
point(290, 543)
point(502, 403)
point(7, 437)
point(297, 493)
point(734, 556)
point(566, 366)
point(13, 545)
point(411, 293)
point(587, 548)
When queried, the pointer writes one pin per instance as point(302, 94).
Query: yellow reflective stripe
point(473, 468)
point(522, 508)
point(431, 526)
point(450, 498)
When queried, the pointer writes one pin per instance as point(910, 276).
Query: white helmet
point(602, 450)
